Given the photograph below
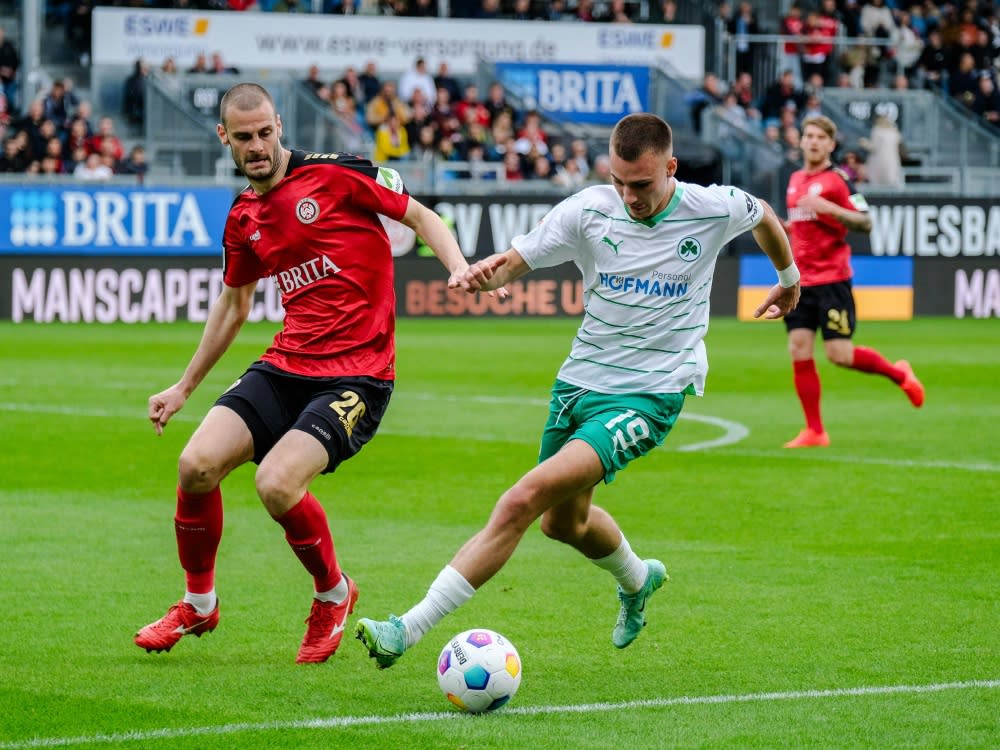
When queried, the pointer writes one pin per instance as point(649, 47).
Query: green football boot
point(632, 617)
point(385, 640)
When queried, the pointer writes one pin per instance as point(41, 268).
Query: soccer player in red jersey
point(311, 222)
point(822, 208)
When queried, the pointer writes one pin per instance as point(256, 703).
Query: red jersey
point(819, 241)
point(318, 235)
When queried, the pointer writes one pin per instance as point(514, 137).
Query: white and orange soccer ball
point(479, 670)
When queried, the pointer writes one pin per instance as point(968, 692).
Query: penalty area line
point(355, 721)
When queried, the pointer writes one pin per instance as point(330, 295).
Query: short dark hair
point(640, 132)
point(244, 97)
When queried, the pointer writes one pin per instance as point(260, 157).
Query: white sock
point(448, 592)
point(627, 568)
point(203, 603)
point(336, 595)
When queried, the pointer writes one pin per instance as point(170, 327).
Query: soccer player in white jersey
point(646, 245)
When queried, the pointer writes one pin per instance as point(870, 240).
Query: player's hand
point(779, 302)
point(163, 405)
point(477, 277)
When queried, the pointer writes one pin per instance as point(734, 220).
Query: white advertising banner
point(254, 41)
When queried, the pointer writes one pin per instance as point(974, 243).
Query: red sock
point(308, 534)
point(869, 360)
point(198, 525)
point(807, 386)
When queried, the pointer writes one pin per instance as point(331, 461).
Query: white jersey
point(646, 284)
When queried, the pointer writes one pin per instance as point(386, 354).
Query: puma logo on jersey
point(612, 244)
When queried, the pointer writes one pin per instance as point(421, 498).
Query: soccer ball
point(479, 670)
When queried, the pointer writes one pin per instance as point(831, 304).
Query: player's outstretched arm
point(226, 317)
point(493, 272)
point(436, 234)
point(783, 296)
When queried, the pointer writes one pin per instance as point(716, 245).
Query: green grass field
point(837, 598)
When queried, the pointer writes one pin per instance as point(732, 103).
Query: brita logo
point(134, 219)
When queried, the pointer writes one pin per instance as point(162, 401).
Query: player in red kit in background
point(316, 396)
point(822, 208)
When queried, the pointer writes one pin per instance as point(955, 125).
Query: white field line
point(732, 432)
point(336, 722)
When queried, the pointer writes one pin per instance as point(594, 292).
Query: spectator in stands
point(743, 24)
point(817, 52)
point(57, 104)
point(512, 166)
point(496, 102)
point(488, 9)
point(521, 11)
point(532, 136)
point(779, 94)
point(578, 152)
point(541, 169)
point(353, 85)
point(384, 102)
point(569, 175)
point(54, 150)
point(742, 87)
point(812, 108)
point(709, 95)
point(77, 156)
point(884, 165)
point(200, 66)
point(909, 46)
point(135, 163)
point(932, 67)
point(4, 114)
point(792, 25)
point(134, 94)
point(555, 10)
point(425, 144)
point(986, 103)
point(353, 132)
point(79, 24)
point(617, 12)
point(92, 169)
point(601, 172)
point(444, 79)
point(422, 9)
point(664, 12)
point(416, 77)
point(963, 83)
point(106, 135)
point(312, 79)
point(853, 167)
point(14, 158)
point(10, 61)
point(391, 141)
point(369, 82)
point(218, 67)
point(84, 113)
point(584, 10)
point(470, 102)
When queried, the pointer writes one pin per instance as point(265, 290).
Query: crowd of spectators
point(57, 135)
point(424, 117)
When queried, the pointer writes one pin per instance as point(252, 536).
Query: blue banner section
point(36, 219)
point(756, 270)
point(600, 94)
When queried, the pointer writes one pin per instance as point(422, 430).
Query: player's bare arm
point(855, 221)
point(494, 272)
point(436, 234)
point(770, 235)
point(225, 318)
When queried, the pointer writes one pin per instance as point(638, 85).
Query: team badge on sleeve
point(753, 206)
point(858, 201)
point(389, 178)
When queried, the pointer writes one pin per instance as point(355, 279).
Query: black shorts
point(828, 307)
point(342, 413)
